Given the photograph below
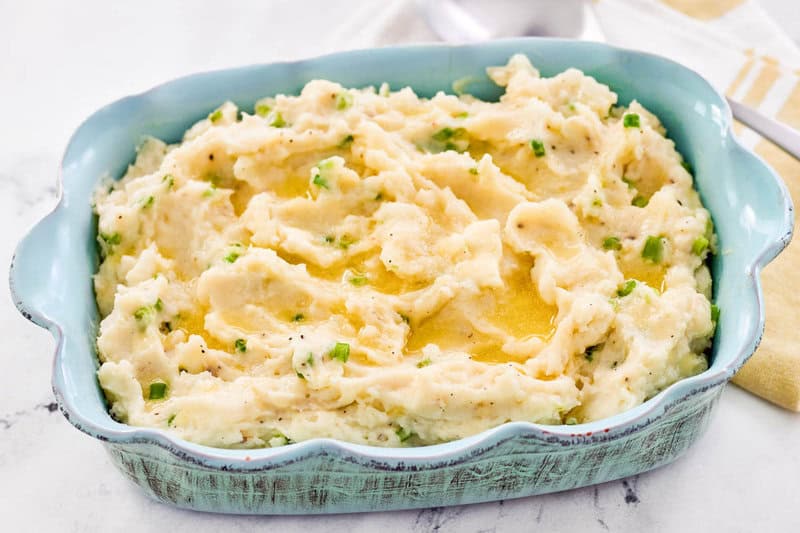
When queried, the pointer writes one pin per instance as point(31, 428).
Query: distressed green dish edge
point(49, 283)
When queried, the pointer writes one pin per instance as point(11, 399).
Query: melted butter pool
point(651, 274)
point(518, 310)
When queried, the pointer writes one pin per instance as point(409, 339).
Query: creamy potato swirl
point(391, 270)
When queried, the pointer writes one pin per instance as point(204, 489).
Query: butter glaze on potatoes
point(389, 270)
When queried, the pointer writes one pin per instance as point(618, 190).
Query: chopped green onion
point(538, 147)
point(343, 101)
point(571, 421)
point(447, 133)
point(299, 317)
point(714, 313)
point(301, 376)
point(144, 315)
point(319, 181)
point(111, 240)
point(240, 345)
point(403, 434)
point(626, 288)
point(474, 171)
point(170, 419)
point(448, 139)
point(379, 197)
point(159, 305)
point(639, 201)
point(345, 241)
point(231, 257)
point(310, 359)
point(612, 243)
point(627, 182)
point(462, 115)
point(262, 110)
point(158, 390)
point(699, 246)
point(148, 202)
point(278, 436)
point(277, 120)
point(169, 179)
point(359, 280)
point(405, 318)
point(328, 239)
point(631, 120)
point(653, 249)
point(347, 141)
point(425, 362)
point(341, 351)
point(597, 202)
point(210, 191)
point(215, 115)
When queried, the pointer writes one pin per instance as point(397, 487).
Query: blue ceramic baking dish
point(51, 285)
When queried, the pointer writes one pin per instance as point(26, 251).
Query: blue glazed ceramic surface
point(51, 285)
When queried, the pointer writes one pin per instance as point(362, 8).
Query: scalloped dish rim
point(433, 455)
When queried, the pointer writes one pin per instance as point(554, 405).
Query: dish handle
point(35, 279)
point(770, 203)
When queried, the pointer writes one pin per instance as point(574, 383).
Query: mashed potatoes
point(390, 270)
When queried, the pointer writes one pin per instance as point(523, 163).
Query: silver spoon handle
point(782, 135)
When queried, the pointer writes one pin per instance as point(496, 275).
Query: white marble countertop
point(61, 61)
